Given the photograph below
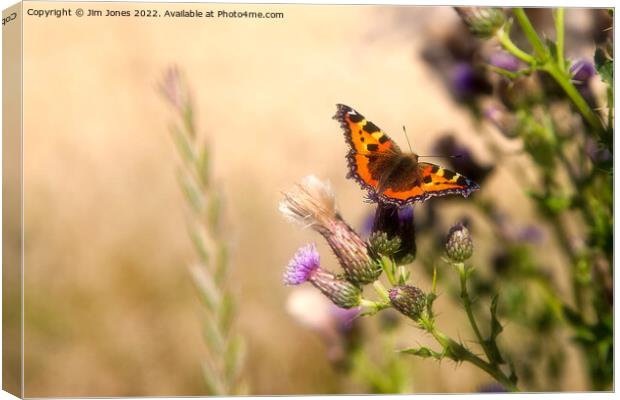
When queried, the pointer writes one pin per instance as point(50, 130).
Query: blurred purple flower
point(531, 234)
point(596, 152)
point(504, 121)
point(510, 232)
point(337, 327)
point(463, 79)
point(465, 164)
point(344, 317)
point(582, 71)
point(303, 264)
point(492, 388)
point(504, 60)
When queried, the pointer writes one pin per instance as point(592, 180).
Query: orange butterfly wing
point(433, 181)
point(371, 150)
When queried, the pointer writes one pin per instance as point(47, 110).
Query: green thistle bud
point(482, 21)
point(459, 246)
point(341, 292)
point(380, 243)
point(409, 300)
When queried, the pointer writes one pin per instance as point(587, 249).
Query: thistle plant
point(574, 165)
point(543, 100)
point(312, 204)
point(222, 370)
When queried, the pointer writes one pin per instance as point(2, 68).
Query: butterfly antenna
point(407, 137)
point(453, 156)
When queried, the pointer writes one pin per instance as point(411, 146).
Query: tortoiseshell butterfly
point(389, 175)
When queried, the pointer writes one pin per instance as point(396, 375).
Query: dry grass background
point(110, 308)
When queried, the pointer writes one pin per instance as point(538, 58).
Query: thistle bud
point(381, 244)
point(394, 232)
point(482, 21)
point(459, 246)
point(305, 267)
point(312, 204)
point(409, 300)
point(340, 291)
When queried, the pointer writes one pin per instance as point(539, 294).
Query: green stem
point(563, 80)
point(503, 37)
point(388, 267)
point(381, 291)
point(462, 353)
point(530, 33)
point(468, 310)
point(559, 39)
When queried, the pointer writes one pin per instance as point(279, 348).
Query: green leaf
point(423, 352)
point(496, 328)
point(604, 65)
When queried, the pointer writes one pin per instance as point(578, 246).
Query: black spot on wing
point(355, 117)
point(428, 179)
point(372, 147)
point(383, 139)
point(462, 181)
point(448, 174)
point(370, 127)
point(434, 169)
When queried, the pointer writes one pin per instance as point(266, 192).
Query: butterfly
point(389, 175)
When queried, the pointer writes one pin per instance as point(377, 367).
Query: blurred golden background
point(110, 309)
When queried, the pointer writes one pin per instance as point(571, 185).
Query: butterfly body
point(387, 173)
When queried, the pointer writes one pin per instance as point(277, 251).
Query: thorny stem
point(530, 33)
point(564, 81)
point(458, 352)
point(467, 304)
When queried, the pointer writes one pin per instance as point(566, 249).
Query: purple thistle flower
point(304, 263)
point(582, 71)
point(305, 267)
